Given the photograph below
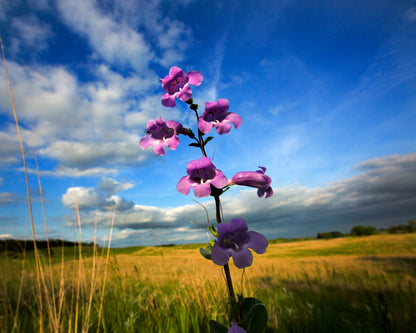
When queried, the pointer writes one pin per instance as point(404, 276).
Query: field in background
point(363, 284)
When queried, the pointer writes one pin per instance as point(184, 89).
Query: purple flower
point(176, 84)
point(236, 329)
point(235, 240)
point(161, 134)
point(255, 179)
point(216, 115)
point(201, 175)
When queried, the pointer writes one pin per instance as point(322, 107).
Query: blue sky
point(326, 90)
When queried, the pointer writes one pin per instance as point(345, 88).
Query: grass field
point(347, 284)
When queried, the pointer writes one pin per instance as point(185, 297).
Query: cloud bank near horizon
point(383, 192)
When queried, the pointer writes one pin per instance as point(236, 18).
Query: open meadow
point(361, 284)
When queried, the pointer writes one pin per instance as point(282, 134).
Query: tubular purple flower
point(256, 179)
point(236, 329)
point(161, 133)
point(176, 84)
point(216, 114)
point(235, 240)
point(201, 175)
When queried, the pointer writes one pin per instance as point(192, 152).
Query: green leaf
point(194, 144)
point(254, 313)
point(206, 253)
point(191, 134)
point(208, 139)
point(213, 231)
point(216, 327)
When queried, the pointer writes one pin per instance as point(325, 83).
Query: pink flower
point(201, 175)
point(161, 134)
point(176, 85)
point(216, 114)
point(235, 240)
point(256, 179)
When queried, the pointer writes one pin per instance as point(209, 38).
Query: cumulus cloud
point(80, 198)
point(81, 125)
point(102, 198)
point(111, 186)
point(90, 126)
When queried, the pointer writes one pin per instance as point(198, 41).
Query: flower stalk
point(232, 239)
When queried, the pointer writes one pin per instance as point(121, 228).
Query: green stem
point(216, 194)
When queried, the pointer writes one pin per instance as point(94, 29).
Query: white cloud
point(9, 147)
point(62, 171)
point(80, 198)
point(115, 42)
point(81, 125)
point(112, 186)
point(88, 127)
point(382, 194)
point(31, 34)
point(6, 236)
point(102, 198)
point(84, 155)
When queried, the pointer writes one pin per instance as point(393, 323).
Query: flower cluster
point(232, 239)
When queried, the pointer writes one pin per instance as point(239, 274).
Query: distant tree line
point(360, 230)
point(329, 235)
point(403, 229)
point(18, 245)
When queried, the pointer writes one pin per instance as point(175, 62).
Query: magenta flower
point(255, 179)
point(176, 84)
point(161, 133)
point(236, 329)
point(201, 175)
point(216, 114)
point(235, 240)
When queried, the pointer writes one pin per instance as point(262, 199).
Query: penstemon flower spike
point(232, 240)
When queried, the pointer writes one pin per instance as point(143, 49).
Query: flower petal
point(175, 125)
point(223, 127)
point(173, 142)
point(238, 225)
point(147, 141)
point(185, 93)
point(202, 190)
point(219, 255)
point(219, 181)
point(204, 126)
point(195, 78)
point(235, 119)
point(236, 329)
point(242, 258)
point(184, 185)
point(223, 229)
point(168, 100)
point(258, 243)
point(159, 148)
point(223, 105)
